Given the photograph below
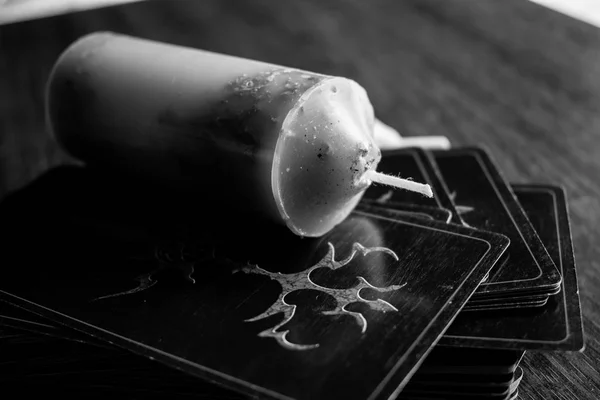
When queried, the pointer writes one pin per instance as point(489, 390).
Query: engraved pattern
point(461, 210)
point(301, 280)
point(384, 198)
point(165, 260)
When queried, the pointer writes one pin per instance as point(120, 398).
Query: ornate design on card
point(165, 259)
point(460, 209)
point(343, 297)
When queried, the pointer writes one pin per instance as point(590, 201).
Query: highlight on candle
point(399, 183)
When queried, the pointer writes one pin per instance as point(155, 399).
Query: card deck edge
point(486, 161)
point(565, 234)
point(564, 344)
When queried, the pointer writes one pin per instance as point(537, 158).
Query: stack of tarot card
point(112, 289)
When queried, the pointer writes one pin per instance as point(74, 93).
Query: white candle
point(291, 144)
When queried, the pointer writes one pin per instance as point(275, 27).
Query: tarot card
point(73, 367)
point(555, 326)
point(452, 383)
point(9, 334)
point(28, 326)
point(411, 163)
point(478, 187)
point(236, 305)
point(507, 305)
point(20, 319)
point(470, 361)
point(450, 379)
point(393, 209)
point(526, 299)
point(456, 393)
point(435, 393)
point(11, 312)
point(508, 300)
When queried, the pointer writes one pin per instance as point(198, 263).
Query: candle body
point(290, 144)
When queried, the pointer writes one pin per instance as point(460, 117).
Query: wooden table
point(520, 79)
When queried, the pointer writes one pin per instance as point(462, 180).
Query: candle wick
point(400, 183)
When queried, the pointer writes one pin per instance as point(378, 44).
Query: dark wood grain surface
point(522, 80)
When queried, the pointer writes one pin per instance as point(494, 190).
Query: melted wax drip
point(301, 280)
